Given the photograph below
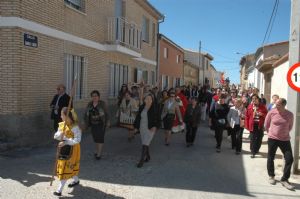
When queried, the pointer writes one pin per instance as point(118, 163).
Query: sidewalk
point(173, 172)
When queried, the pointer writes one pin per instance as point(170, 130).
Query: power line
point(215, 53)
point(225, 62)
point(229, 67)
point(270, 21)
point(273, 21)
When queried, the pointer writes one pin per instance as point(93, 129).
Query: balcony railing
point(122, 32)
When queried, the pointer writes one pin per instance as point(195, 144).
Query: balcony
point(121, 32)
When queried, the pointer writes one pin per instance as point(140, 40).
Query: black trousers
point(190, 134)
point(256, 137)
point(55, 123)
point(237, 138)
point(286, 149)
point(229, 131)
point(219, 134)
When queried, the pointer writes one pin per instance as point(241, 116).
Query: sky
point(224, 27)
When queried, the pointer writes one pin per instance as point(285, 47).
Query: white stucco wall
point(259, 77)
point(279, 82)
point(261, 85)
point(251, 79)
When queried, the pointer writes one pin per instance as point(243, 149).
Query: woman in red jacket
point(254, 122)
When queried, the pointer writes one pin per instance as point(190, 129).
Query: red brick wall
point(169, 66)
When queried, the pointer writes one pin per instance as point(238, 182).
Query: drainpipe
point(157, 47)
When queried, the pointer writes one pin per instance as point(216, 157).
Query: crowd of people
point(144, 110)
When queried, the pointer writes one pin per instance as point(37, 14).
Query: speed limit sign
point(293, 77)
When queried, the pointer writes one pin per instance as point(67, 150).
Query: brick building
point(43, 43)
point(203, 62)
point(191, 73)
point(170, 63)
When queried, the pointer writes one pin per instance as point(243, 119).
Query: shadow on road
point(197, 168)
point(80, 192)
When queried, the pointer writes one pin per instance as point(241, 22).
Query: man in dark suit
point(60, 100)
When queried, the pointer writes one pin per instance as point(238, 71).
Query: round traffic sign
point(293, 77)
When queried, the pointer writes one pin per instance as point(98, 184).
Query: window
point(207, 64)
point(165, 82)
point(77, 4)
point(178, 59)
point(166, 53)
point(140, 74)
point(75, 66)
point(153, 34)
point(153, 77)
point(177, 82)
point(145, 29)
point(118, 76)
point(145, 76)
point(173, 80)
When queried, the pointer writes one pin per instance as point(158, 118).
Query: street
point(173, 172)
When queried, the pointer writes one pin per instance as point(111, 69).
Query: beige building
point(279, 82)
point(202, 60)
point(246, 64)
point(191, 73)
point(43, 43)
point(265, 57)
point(214, 74)
point(206, 63)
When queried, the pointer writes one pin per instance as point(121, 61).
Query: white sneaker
point(287, 185)
point(272, 180)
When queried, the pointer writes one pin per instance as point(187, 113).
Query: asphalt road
point(173, 172)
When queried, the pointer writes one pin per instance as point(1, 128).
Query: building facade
point(247, 71)
point(279, 82)
point(203, 61)
point(44, 43)
point(266, 56)
point(171, 69)
point(214, 77)
point(191, 74)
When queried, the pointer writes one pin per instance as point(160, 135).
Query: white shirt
point(70, 141)
point(233, 116)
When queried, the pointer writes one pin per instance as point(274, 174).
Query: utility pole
point(293, 97)
point(158, 51)
point(200, 60)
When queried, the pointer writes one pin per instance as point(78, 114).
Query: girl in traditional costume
point(69, 135)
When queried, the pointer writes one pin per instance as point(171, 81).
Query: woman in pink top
point(278, 123)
